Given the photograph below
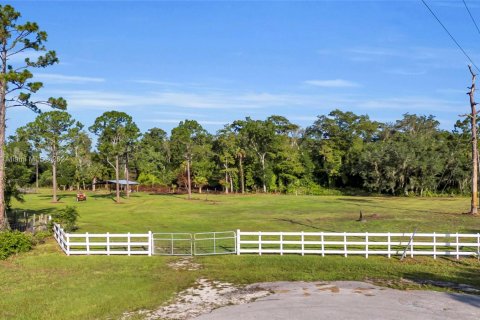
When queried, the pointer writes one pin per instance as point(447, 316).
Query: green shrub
point(67, 218)
point(311, 188)
point(12, 242)
point(40, 236)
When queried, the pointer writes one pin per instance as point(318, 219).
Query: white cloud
point(21, 56)
point(203, 100)
point(336, 83)
point(455, 92)
point(374, 51)
point(406, 72)
point(420, 104)
point(216, 108)
point(415, 57)
point(303, 118)
point(180, 114)
point(160, 83)
point(60, 78)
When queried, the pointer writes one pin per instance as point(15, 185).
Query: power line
point(451, 36)
point(471, 16)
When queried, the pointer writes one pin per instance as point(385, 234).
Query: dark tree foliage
point(412, 156)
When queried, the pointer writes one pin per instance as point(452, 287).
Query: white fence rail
point(104, 244)
point(328, 243)
point(61, 237)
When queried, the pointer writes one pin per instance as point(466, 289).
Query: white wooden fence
point(302, 243)
point(328, 243)
point(104, 244)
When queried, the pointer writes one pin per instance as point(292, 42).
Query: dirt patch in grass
point(184, 264)
point(205, 296)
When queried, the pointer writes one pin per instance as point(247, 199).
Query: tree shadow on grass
point(475, 231)
point(49, 196)
point(389, 209)
point(110, 196)
point(355, 200)
point(300, 223)
point(184, 196)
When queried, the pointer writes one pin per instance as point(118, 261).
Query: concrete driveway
point(349, 300)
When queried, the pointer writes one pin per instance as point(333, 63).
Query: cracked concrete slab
point(349, 300)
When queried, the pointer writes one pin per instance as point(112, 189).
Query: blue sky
point(214, 62)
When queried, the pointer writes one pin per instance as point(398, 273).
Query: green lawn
point(168, 213)
point(46, 284)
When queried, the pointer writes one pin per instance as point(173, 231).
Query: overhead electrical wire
point(451, 36)
point(471, 16)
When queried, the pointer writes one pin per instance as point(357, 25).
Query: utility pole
point(473, 121)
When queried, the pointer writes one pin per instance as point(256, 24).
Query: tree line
point(412, 156)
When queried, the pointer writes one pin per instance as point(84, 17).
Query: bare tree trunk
point(36, 176)
point(54, 173)
point(93, 183)
point(242, 182)
point(262, 159)
point(189, 182)
point(231, 183)
point(473, 119)
point(117, 176)
point(3, 109)
point(127, 177)
point(226, 178)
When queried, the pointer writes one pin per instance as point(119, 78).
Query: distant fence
point(27, 221)
point(347, 243)
point(103, 244)
point(241, 242)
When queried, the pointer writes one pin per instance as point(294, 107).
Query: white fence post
point(150, 243)
point(322, 237)
point(458, 249)
point(87, 243)
point(478, 245)
point(260, 243)
point(366, 245)
point(345, 244)
point(238, 242)
point(434, 246)
point(303, 244)
point(411, 247)
point(281, 243)
point(214, 244)
point(128, 243)
point(389, 245)
point(108, 243)
point(68, 244)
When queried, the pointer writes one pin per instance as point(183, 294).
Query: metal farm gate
point(213, 243)
point(198, 244)
point(172, 244)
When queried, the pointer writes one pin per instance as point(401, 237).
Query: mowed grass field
point(46, 284)
point(173, 213)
